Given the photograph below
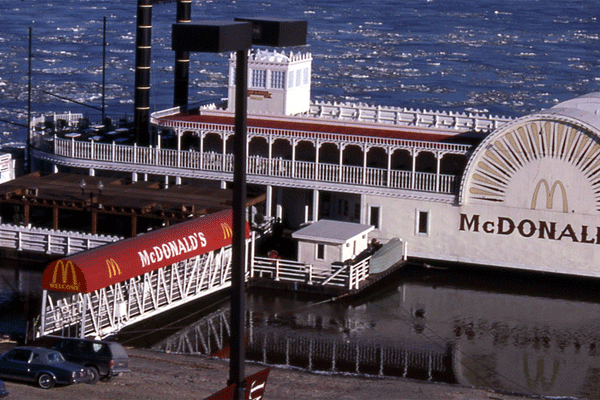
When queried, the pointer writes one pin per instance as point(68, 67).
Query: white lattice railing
point(382, 115)
point(107, 310)
point(348, 276)
point(27, 238)
point(256, 166)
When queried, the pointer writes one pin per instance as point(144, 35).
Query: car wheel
point(95, 375)
point(45, 381)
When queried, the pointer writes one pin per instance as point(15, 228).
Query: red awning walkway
point(97, 292)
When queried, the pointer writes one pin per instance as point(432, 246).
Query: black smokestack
point(182, 58)
point(142, 72)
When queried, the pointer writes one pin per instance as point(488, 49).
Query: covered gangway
point(98, 292)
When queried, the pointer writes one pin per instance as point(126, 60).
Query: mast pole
point(103, 69)
point(27, 165)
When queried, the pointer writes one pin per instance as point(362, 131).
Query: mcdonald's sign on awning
point(101, 267)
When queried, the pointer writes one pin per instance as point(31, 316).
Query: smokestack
point(142, 72)
point(182, 58)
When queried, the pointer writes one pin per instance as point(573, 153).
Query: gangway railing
point(343, 275)
point(106, 311)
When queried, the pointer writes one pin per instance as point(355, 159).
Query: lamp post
point(238, 36)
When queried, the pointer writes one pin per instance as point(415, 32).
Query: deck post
point(389, 166)
point(43, 316)
point(414, 154)
point(438, 157)
point(364, 171)
point(252, 253)
point(269, 201)
point(315, 205)
point(83, 313)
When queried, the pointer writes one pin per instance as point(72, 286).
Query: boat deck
point(332, 126)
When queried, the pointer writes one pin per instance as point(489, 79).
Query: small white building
point(278, 83)
point(7, 167)
point(325, 242)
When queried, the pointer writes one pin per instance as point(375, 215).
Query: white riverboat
point(462, 187)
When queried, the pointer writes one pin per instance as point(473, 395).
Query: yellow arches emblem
point(64, 269)
point(550, 195)
point(113, 267)
point(227, 231)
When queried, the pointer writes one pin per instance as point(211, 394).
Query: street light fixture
point(238, 36)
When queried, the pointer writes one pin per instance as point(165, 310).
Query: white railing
point(322, 137)
point(27, 238)
point(348, 276)
point(106, 311)
point(257, 165)
point(407, 117)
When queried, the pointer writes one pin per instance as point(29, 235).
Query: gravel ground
point(169, 376)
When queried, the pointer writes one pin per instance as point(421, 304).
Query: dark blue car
point(42, 366)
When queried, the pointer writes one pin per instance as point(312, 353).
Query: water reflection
point(512, 333)
point(20, 291)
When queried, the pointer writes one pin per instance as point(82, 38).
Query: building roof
point(101, 267)
point(119, 196)
point(325, 126)
point(584, 108)
point(334, 232)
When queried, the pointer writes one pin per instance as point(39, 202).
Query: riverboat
point(465, 187)
point(462, 187)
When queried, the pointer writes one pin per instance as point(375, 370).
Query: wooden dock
point(372, 283)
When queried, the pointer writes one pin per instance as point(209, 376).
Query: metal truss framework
point(107, 310)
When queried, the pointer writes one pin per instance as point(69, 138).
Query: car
point(3, 391)
point(105, 359)
point(43, 366)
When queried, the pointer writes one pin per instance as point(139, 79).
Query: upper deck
point(348, 148)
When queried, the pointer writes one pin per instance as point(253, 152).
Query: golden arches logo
point(64, 272)
point(113, 267)
point(543, 378)
point(550, 195)
point(227, 231)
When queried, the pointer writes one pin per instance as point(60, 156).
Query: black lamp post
point(238, 36)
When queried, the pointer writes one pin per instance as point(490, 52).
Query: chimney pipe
point(142, 72)
point(182, 58)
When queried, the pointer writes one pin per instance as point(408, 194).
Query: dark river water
point(515, 333)
point(512, 332)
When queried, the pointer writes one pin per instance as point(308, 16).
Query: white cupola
point(278, 84)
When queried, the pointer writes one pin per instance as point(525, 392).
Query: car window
point(118, 351)
point(19, 355)
point(54, 357)
point(100, 349)
point(36, 359)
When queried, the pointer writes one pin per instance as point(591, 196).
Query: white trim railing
point(256, 166)
point(106, 311)
point(27, 238)
point(382, 115)
point(312, 136)
point(348, 276)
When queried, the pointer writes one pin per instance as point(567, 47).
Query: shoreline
point(157, 375)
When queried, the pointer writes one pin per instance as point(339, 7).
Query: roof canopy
point(117, 262)
point(331, 232)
